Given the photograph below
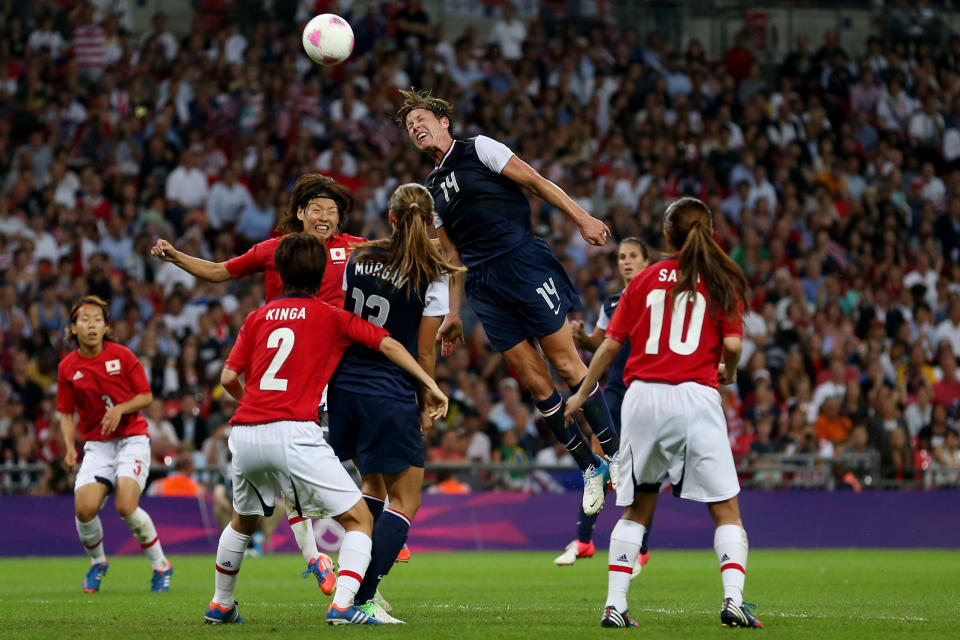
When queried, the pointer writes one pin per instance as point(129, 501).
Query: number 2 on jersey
point(449, 183)
point(280, 339)
point(656, 302)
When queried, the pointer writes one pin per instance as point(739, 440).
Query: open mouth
point(422, 135)
point(322, 228)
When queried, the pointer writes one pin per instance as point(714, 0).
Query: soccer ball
point(328, 39)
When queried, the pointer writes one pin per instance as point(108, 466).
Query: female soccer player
point(400, 284)
point(106, 385)
point(286, 352)
point(514, 283)
point(683, 319)
point(632, 258)
point(318, 205)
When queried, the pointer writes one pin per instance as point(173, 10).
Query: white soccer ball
point(328, 39)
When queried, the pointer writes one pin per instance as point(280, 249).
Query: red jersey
point(260, 258)
point(287, 351)
point(91, 386)
point(670, 345)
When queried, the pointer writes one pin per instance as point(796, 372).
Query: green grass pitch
point(801, 594)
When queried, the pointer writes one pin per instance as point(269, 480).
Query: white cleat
point(377, 612)
point(614, 464)
point(594, 479)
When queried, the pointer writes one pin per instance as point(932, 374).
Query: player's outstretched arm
point(230, 380)
point(203, 269)
point(427, 358)
point(601, 361)
point(590, 342)
point(593, 231)
point(433, 398)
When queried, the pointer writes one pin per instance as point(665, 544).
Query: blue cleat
point(349, 615)
point(217, 614)
point(733, 616)
point(91, 581)
point(160, 582)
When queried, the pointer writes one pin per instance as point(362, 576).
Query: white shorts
point(290, 458)
point(676, 430)
point(106, 460)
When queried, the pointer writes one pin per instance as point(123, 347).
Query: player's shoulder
point(68, 361)
point(270, 244)
point(345, 240)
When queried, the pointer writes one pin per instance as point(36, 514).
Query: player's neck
point(439, 151)
point(90, 352)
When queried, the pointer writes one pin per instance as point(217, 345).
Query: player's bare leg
point(127, 500)
point(87, 502)
point(731, 546)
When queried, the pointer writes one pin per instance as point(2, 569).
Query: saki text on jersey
point(287, 351)
point(484, 214)
point(93, 386)
point(671, 345)
point(259, 258)
point(371, 294)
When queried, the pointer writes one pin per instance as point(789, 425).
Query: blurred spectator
point(179, 483)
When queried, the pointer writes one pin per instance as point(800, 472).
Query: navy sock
point(646, 537)
point(585, 526)
point(597, 413)
point(389, 535)
point(375, 505)
point(566, 431)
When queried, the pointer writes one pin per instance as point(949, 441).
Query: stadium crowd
point(833, 180)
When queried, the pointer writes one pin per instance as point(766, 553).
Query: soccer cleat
point(377, 612)
point(594, 479)
point(91, 581)
point(617, 619)
point(574, 551)
point(404, 555)
point(217, 614)
point(614, 464)
point(322, 568)
point(349, 615)
point(733, 616)
point(160, 582)
point(382, 602)
point(642, 560)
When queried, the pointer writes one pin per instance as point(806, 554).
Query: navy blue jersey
point(370, 293)
point(615, 372)
point(485, 214)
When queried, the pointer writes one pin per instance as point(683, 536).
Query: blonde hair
point(409, 250)
point(413, 99)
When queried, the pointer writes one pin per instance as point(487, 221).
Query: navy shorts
point(383, 434)
point(614, 398)
point(523, 294)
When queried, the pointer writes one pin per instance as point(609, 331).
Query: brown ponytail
point(409, 251)
point(688, 223)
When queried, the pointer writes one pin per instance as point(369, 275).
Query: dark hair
point(408, 251)
point(95, 301)
point(308, 187)
point(413, 99)
point(300, 258)
point(688, 223)
point(644, 248)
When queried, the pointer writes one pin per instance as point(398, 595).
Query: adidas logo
point(226, 563)
point(724, 558)
point(78, 375)
point(623, 558)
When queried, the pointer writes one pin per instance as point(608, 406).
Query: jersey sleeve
point(249, 263)
point(136, 374)
point(437, 220)
point(603, 321)
point(619, 327)
point(732, 326)
point(237, 360)
point(438, 297)
point(494, 155)
point(65, 400)
point(358, 331)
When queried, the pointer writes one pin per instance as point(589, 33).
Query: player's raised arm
point(435, 400)
point(593, 231)
point(601, 361)
point(198, 267)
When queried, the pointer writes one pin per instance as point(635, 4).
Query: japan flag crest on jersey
point(338, 253)
point(113, 367)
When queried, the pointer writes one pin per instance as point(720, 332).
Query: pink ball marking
point(330, 60)
point(314, 38)
point(336, 20)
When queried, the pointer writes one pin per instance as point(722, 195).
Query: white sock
point(353, 560)
point(625, 541)
point(91, 535)
point(229, 556)
point(302, 529)
point(730, 543)
point(146, 534)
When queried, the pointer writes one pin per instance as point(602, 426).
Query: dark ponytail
point(688, 223)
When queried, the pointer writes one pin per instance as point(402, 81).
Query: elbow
point(228, 377)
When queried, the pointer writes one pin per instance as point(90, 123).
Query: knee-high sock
point(146, 534)
point(229, 556)
point(624, 546)
point(91, 535)
point(585, 523)
point(730, 543)
point(597, 413)
point(353, 561)
point(302, 529)
point(566, 431)
point(375, 505)
point(389, 536)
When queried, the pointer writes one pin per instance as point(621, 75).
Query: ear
point(300, 213)
point(445, 123)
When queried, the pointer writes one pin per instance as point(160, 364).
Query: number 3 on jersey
point(656, 302)
point(449, 183)
point(280, 339)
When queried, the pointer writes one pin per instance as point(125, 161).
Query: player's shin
point(730, 543)
point(389, 535)
point(91, 535)
point(565, 431)
point(353, 561)
point(625, 543)
point(141, 525)
point(230, 552)
point(302, 529)
point(597, 413)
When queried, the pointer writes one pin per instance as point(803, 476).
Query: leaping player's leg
point(87, 501)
